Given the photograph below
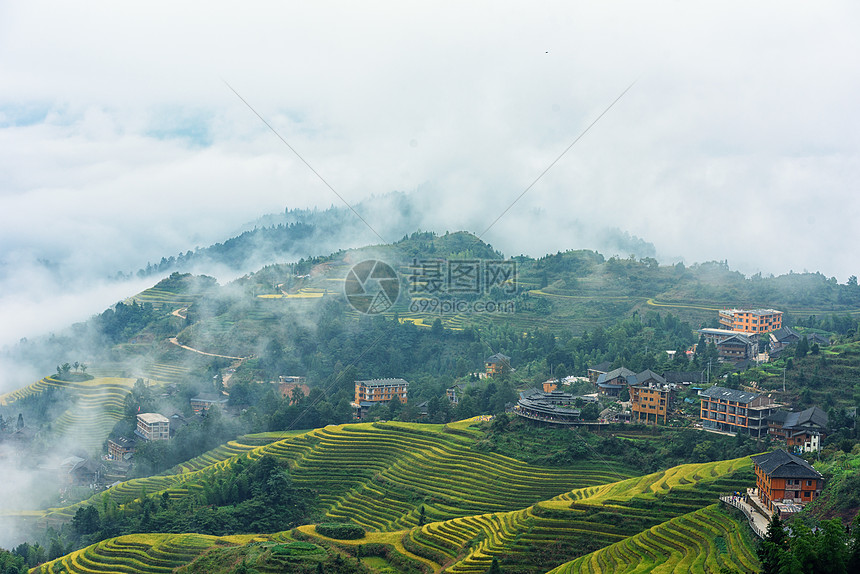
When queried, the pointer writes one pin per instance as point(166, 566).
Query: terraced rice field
point(379, 475)
point(186, 472)
point(164, 372)
point(575, 522)
point(706, 540)
point(141, 553)
point(303, 293)
point(162, 298)
point(98, 407)
point(480, 505)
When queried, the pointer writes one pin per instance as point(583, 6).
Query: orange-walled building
point(497, 364)
point(782, 477)
point(731, 410)
point(650, 404)
point(374, 391)
point(550, 386)
point(751, 320)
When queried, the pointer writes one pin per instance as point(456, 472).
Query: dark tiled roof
point(778, 417)
point(210, 398)
point(602, 367)
point(811, 417)
point(816, 338)
point(647, 375)
point(609, 386)
point(785, 335)
point(499, 358)
point(730, 395)
point(780, 464)
point(736, 339)
point(382, 382)
point(627, 374)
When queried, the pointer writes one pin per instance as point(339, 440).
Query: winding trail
point(179, 313)
point(186, 347)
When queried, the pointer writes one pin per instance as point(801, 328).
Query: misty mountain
point(303, 233)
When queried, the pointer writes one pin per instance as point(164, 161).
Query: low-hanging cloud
point(122, 145)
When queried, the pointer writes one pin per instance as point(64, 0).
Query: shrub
point(340, 531)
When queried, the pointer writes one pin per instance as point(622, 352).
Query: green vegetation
point(647, 448)
point(532, 539)
point(830, 548)
point(340, 530)
point(463, 497)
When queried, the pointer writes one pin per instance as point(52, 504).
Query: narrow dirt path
point(178, 344)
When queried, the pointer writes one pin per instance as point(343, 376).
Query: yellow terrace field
point(579, 521)
point(706, 540)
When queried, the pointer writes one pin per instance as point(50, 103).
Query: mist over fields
point(738, 140)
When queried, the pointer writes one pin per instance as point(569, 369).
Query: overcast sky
point(121, 142)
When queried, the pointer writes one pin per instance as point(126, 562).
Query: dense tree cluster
point(249, 496)
point(796, 548)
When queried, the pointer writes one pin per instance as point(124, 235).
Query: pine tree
point(494, 567)
point(802, 348)
point(774, 545)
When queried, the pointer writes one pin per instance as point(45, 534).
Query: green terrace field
point(534, 539)
point(378, 475)
point(664, 521)
point(133, 489)
point(705, 540)
point(143, 553)
point(97, 403)
point(97, 407)
point(161, 298)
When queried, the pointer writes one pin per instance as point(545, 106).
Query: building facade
point(802, 431)
point(650, 403)
point(784, 481)
point(202, 402)
point(152, 426)
point(730, 410)
point(120, 448)
point(376, 391)
point(497, 364)
point(610, 384)
point(751, 320)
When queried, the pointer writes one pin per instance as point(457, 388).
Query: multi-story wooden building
point(597, 370)
point(497, 364)
point(610, 384)
point(751, 320)
point(120, 448)
point(736, 411)
point(803, 431)
point(375, 391)
point(204, 401)
point(732, 346)
point(152, 426)
point(784, 478)
point(650, 403)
